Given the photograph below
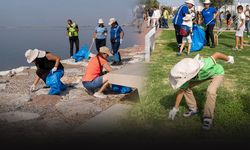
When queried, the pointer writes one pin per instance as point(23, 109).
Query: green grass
point(232, 114)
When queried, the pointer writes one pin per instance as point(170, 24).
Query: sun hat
point(184, 71)
point(100, 21)
point(190, 2)
point(31, 55)
point(105, 50)
point(188, 17)
point(111, 21)
point(207, 2)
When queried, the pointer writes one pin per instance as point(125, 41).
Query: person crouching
point(94, 79)
point(46, 63)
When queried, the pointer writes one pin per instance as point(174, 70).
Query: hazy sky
point(56, 12)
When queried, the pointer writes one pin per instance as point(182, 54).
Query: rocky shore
point(24, 113)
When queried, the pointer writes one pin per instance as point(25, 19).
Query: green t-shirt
point(208, 71)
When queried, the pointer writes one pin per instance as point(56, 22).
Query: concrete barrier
point(149, 43)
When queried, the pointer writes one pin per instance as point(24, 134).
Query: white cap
point(111, 21)
point(207, 2)
point(190, 2)
point(184, 71)
point(31, 55)
point(100, 21)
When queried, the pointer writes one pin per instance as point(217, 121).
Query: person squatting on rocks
point(46, 63)
point(189, 73)
point(100, 35)
point(72, 33)
point(178, 19)
point(94, 80)
point(116, 39)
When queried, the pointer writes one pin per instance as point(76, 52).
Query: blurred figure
point(156, 17)
point(150, 13)
point(221, 19)
point(165, 18)
point(72, 32)
point(247, 14)
point(228, 15)
point(139, 14)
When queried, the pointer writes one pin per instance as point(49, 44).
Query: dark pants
point(72, 41)
point(100, 43)
point(165, 23)
point(177, 34)
point(210, 34)
point(115, 49)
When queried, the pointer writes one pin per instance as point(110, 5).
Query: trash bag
point(198, 39)
point(54, 82)
point(83, 53)
point(121, 89)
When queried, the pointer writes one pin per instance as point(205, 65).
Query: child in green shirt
point(191, 72)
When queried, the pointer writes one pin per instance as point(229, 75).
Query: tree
point(220, 3)
point(149, 3)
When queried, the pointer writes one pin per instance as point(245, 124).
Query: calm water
point(41, 24)
point(14, 42)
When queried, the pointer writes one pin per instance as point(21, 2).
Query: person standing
point(239, 35)
point(165, 18)
point(228, 20)
point(209, 15)
point(150, 13)
point(221, 18)
point(139, 14)
point(156, 17)
point(247, 14)
point(178, 19)
point(72, 32)
point(116, 39)
point(100, 35)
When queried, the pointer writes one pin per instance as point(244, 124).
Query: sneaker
point(114, 63)
point(178, 54)
point(100, 95)
point(235, 49)
point(207, 124)
point(190, 113)
point(89, 92)
point(212, 46)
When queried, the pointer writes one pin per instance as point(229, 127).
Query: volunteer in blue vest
point(116, 38)
point(100, 35)
point(178, 19)
point(209, 15)
point(72, 32)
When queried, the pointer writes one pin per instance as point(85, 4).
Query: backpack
point(185, 31)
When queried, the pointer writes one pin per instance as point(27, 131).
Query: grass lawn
point(232, 114)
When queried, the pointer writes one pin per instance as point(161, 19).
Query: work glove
point(121, 41)
point(33, 88)
point(231, 60)
point(173, 113)
point(54, 70)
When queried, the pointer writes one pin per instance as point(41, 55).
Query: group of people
point(94, 80)
point(185, 18)
point(157, 17)
point(99, 37)
point(189, 72)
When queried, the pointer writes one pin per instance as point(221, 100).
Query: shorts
point(228, 22)
point(187, 39)
point(93, 85)
point(240, 33)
